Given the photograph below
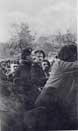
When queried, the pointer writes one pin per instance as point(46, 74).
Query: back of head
point(68, 53)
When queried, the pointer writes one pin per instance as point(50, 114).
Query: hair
point(40, 51)
point(68, 53)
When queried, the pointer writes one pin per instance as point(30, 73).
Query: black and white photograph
point(38, 65)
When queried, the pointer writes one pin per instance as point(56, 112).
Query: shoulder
point(56, 64)
point(63, 65)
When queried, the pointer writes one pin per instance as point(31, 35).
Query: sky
point(43, 16)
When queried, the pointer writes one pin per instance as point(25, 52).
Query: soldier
point(60, 94)
point(37, 74)
point(22, 79)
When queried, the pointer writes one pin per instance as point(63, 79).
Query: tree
point(21, 37)
point(67, 38)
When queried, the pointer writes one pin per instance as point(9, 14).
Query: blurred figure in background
point(3, 71)
point(24, 83)
point(37, 73)
point(8, 63)
point(12, 72)
point(15, 67)
point(46, 68)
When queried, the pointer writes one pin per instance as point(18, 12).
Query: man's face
point(44, 65)
point(39, 57)
point(15, 67)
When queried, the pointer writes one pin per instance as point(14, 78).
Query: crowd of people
point(46, 90)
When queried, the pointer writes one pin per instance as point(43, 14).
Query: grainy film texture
point(38, 65)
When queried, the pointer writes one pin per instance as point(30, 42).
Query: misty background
point(46, 24)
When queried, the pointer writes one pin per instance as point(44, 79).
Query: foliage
point(67, 38)
point(21, 37)
point(52, 43)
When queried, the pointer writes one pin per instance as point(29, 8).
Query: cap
point(26, 52)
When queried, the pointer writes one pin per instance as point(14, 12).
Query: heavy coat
point(37, 75)
point(23, 85)
point(60, 96)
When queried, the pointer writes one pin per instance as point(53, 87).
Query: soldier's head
point(45, 65)
point(39, 55)
point(26, 54)
point(68, 53)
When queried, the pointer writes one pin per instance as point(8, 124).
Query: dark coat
point(25, 83)
point(23, 75)
point(37, 75)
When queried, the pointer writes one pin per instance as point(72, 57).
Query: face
point(28, 58)
point(39, 57)
point(3, 64)
point(8, 63)
point(44, 65)
point(15, 67)
point(8, 70)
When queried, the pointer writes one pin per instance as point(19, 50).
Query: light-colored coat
point(62, 86)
